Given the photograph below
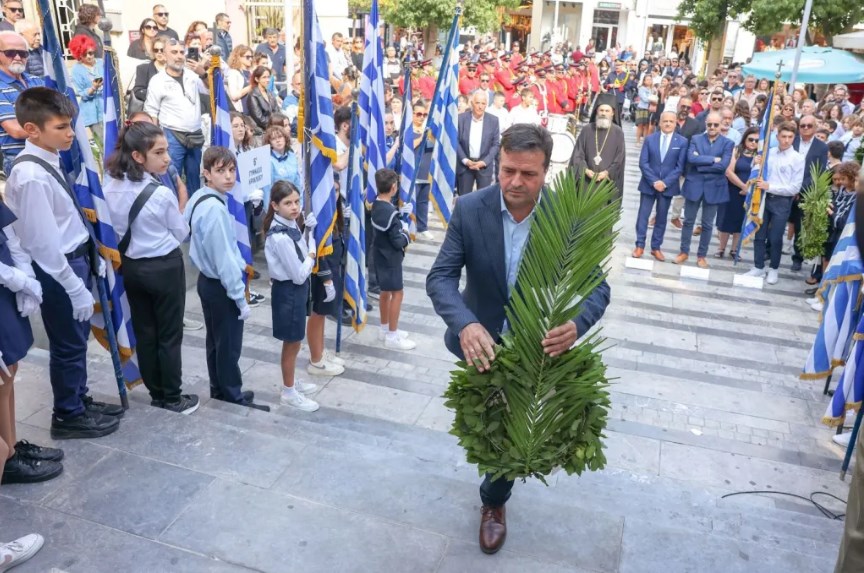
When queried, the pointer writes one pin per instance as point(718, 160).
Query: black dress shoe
point(87, 425)
point(25, 470)
point(248, 395)
point(103, 408)
point(39, 453)
point(254, 406)
point(811, 291)
point(796, 266)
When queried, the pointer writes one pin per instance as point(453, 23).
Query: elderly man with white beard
point(599, 152)
point(13, 81)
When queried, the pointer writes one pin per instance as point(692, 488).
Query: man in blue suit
point(705, 185)
point(487, 234)
point(815, 152)
point(662, 163)
point(478, 145)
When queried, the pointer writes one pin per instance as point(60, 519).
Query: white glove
point(330, 290)
point(406, 209)
point(15, 280)
point(347, 212)
point(309, 220)
point(256, 197)
point(82, 304)
point(103, 269)
point(27, 304)
point(245, 311)
point(405, 227)
point(32, 288)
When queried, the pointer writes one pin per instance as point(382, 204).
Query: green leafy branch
point(815, 201)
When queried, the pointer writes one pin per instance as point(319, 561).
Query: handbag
point(193, 140)
point(133, 104)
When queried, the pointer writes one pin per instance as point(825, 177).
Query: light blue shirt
point(734, 135)
point(89, 105)
point(515, 238)
point(213, 245)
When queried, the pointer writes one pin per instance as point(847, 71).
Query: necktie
point(664, 146)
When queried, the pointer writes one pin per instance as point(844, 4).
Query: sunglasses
point(484, 81)
point(421, 114)
point(149, 27)
point(162, 14)
point(158, 50)
point(683, 107)
point(716, 98)
point(712, 125)
point(752, 140)
point(11, 54)
point(90, 53)
point(17, 10)
point(807, 125)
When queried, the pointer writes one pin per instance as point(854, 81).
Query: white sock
point(288, 391)
point(319, 364)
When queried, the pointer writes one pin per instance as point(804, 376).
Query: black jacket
point(143, 74)
point(261, 107)
point(96, 37)
point(390, 239)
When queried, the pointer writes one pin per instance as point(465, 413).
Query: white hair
point(10, 34)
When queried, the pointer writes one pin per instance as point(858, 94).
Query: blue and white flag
point(221, 135)
point(754, 203)
point(443, 122)
point(81, 168)
point(316, 90)
point(371, 102)
point(408, 160)
point(355, 267)
point(111, 102)
point(850, 390)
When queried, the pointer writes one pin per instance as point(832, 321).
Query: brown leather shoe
point(697, 231)
point(681, 259)
point(638, 252)
point(493, 528)
point(658, 254)
point(677, 223)
point(701, 263)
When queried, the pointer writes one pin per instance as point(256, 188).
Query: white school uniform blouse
point(282, 260)
point(159, 227)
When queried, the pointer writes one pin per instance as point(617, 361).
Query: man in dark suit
point(705, 186)
point(478, 145)
point(487, 234)
point(815, 152)
point(687, 126)
point(662, 163)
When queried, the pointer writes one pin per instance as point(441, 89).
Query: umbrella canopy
point(819, 65)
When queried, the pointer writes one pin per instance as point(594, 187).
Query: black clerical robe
point(610, 143)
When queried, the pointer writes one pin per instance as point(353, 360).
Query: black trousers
point(371, 274)
point(156, 288)
point(795, 218)
point(224, 340)
point(495, 492)
point(466, 179)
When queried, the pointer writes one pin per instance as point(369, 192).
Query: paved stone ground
point(706, 402)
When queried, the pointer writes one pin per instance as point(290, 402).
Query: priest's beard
point(604, 123)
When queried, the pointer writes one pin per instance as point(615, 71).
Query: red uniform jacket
point(468, 85)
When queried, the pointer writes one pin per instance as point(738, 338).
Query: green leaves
point(533, 413)
point(815, 202)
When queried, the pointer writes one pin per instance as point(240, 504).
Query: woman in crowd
point(87, 81)
point(88, 25)
point(834, 112)
point(261, 102)
point(192, 41)
point(238, 76)
point(742, 115)
point(764, 86)
point(261, 59)
point(196, 27)
point(738, 173)
point(698, 96)
point(142, 48)
point(643, 126)
point(787, 111)
point(145, 72)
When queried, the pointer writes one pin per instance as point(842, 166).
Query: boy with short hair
point(213, 249)
point(388, 245)
point(55, 233)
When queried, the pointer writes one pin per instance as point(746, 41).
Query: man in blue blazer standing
point(478, 145)
point(488, 232)
point(705, 185)
point(815, 152)
point(662, 163)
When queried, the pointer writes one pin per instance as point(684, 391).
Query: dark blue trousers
point(224, 340)
point(422, 206)
point(67, 340)
point(773, 227)
point(495, 492)
point(646, 203)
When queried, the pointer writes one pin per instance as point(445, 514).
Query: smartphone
point(193, 54)
point(98, 80)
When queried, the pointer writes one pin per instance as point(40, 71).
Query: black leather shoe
point(248, 395)
point(103, 408)
point(25, 470)
point(187, 404)
point(796, 266)
point(254, 406)
point(39, 453)
point(87, 425)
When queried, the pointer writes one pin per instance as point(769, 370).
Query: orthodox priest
point(599, 152)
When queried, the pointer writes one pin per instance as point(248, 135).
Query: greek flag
point(850, 390)
point(443, 118)
point(111, 102)
point(840, 289)
point(754, 203)
point(355, 267)
point(321, 130)
point(408, 160)
point(371, 102)
point(221, 135)
point(80, 166)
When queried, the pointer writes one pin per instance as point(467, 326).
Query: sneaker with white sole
point(396, 342)
point(382, 333)
point(773, 277)
point(811, 301)
point(255, 298)
point(18, 551)
point(324, 368)
point(754, 272)
point(333, 359)
point(817, 306)
point(427, 235)
point(842, 439)
point(305, 387)
point(290, 397)
point(192, 325)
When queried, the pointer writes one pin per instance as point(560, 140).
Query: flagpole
point(347, 225)
point(852, 439)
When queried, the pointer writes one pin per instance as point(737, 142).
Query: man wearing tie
point(662, 163)
point(478, 145)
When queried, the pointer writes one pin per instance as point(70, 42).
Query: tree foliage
point(420, 14)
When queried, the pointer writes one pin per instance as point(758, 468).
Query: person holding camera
point(87, 81)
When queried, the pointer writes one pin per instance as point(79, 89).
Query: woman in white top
point(149, 229)
point(238, 74)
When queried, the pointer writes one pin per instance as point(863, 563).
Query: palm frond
point(815, 201)
point(533, 413)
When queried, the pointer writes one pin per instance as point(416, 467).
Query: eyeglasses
point(17, 10)
point(807, 125)
point(752, 140)
point(712, 125)
point(162, 14)
point(149, 27)
point(420, 114)
point(12, 54)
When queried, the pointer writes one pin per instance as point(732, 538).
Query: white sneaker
point(426, 235)
point(324, 368)
point(812, 301)
point(305, 387)
point(333, 359)
point(18, 551)
point(297, 400)
point(396, 342)
point(773, 277)
point(787, 247)
point(382, 333)
point(192, 325)
point(817, 306)
point(842, 439)
point(754, 272)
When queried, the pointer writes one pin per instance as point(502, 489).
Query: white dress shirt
point(159, 228)
point(804, 146)
point(176, 107)
point(475, 137)
point(49, 224)
point(338, 61)
point(283, 263)
point(503, 117)
point(521, 114)
point(785, 172)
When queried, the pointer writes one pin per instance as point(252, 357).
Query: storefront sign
point(609, 5)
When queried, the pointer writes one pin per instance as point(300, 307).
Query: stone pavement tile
point(463, 557)
point(275, 533)
point(74, 545)
point(368, 399)
point(633, 453)
point(130, 493)
point(649, 548)
point(436, 416)
point(620, 330)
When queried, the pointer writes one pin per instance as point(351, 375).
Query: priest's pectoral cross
point(597, 160)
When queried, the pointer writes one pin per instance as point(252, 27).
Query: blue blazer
point(816, 155)
point(475, 241)
point(669, 170)
point(705, 177)
point(489, 142)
